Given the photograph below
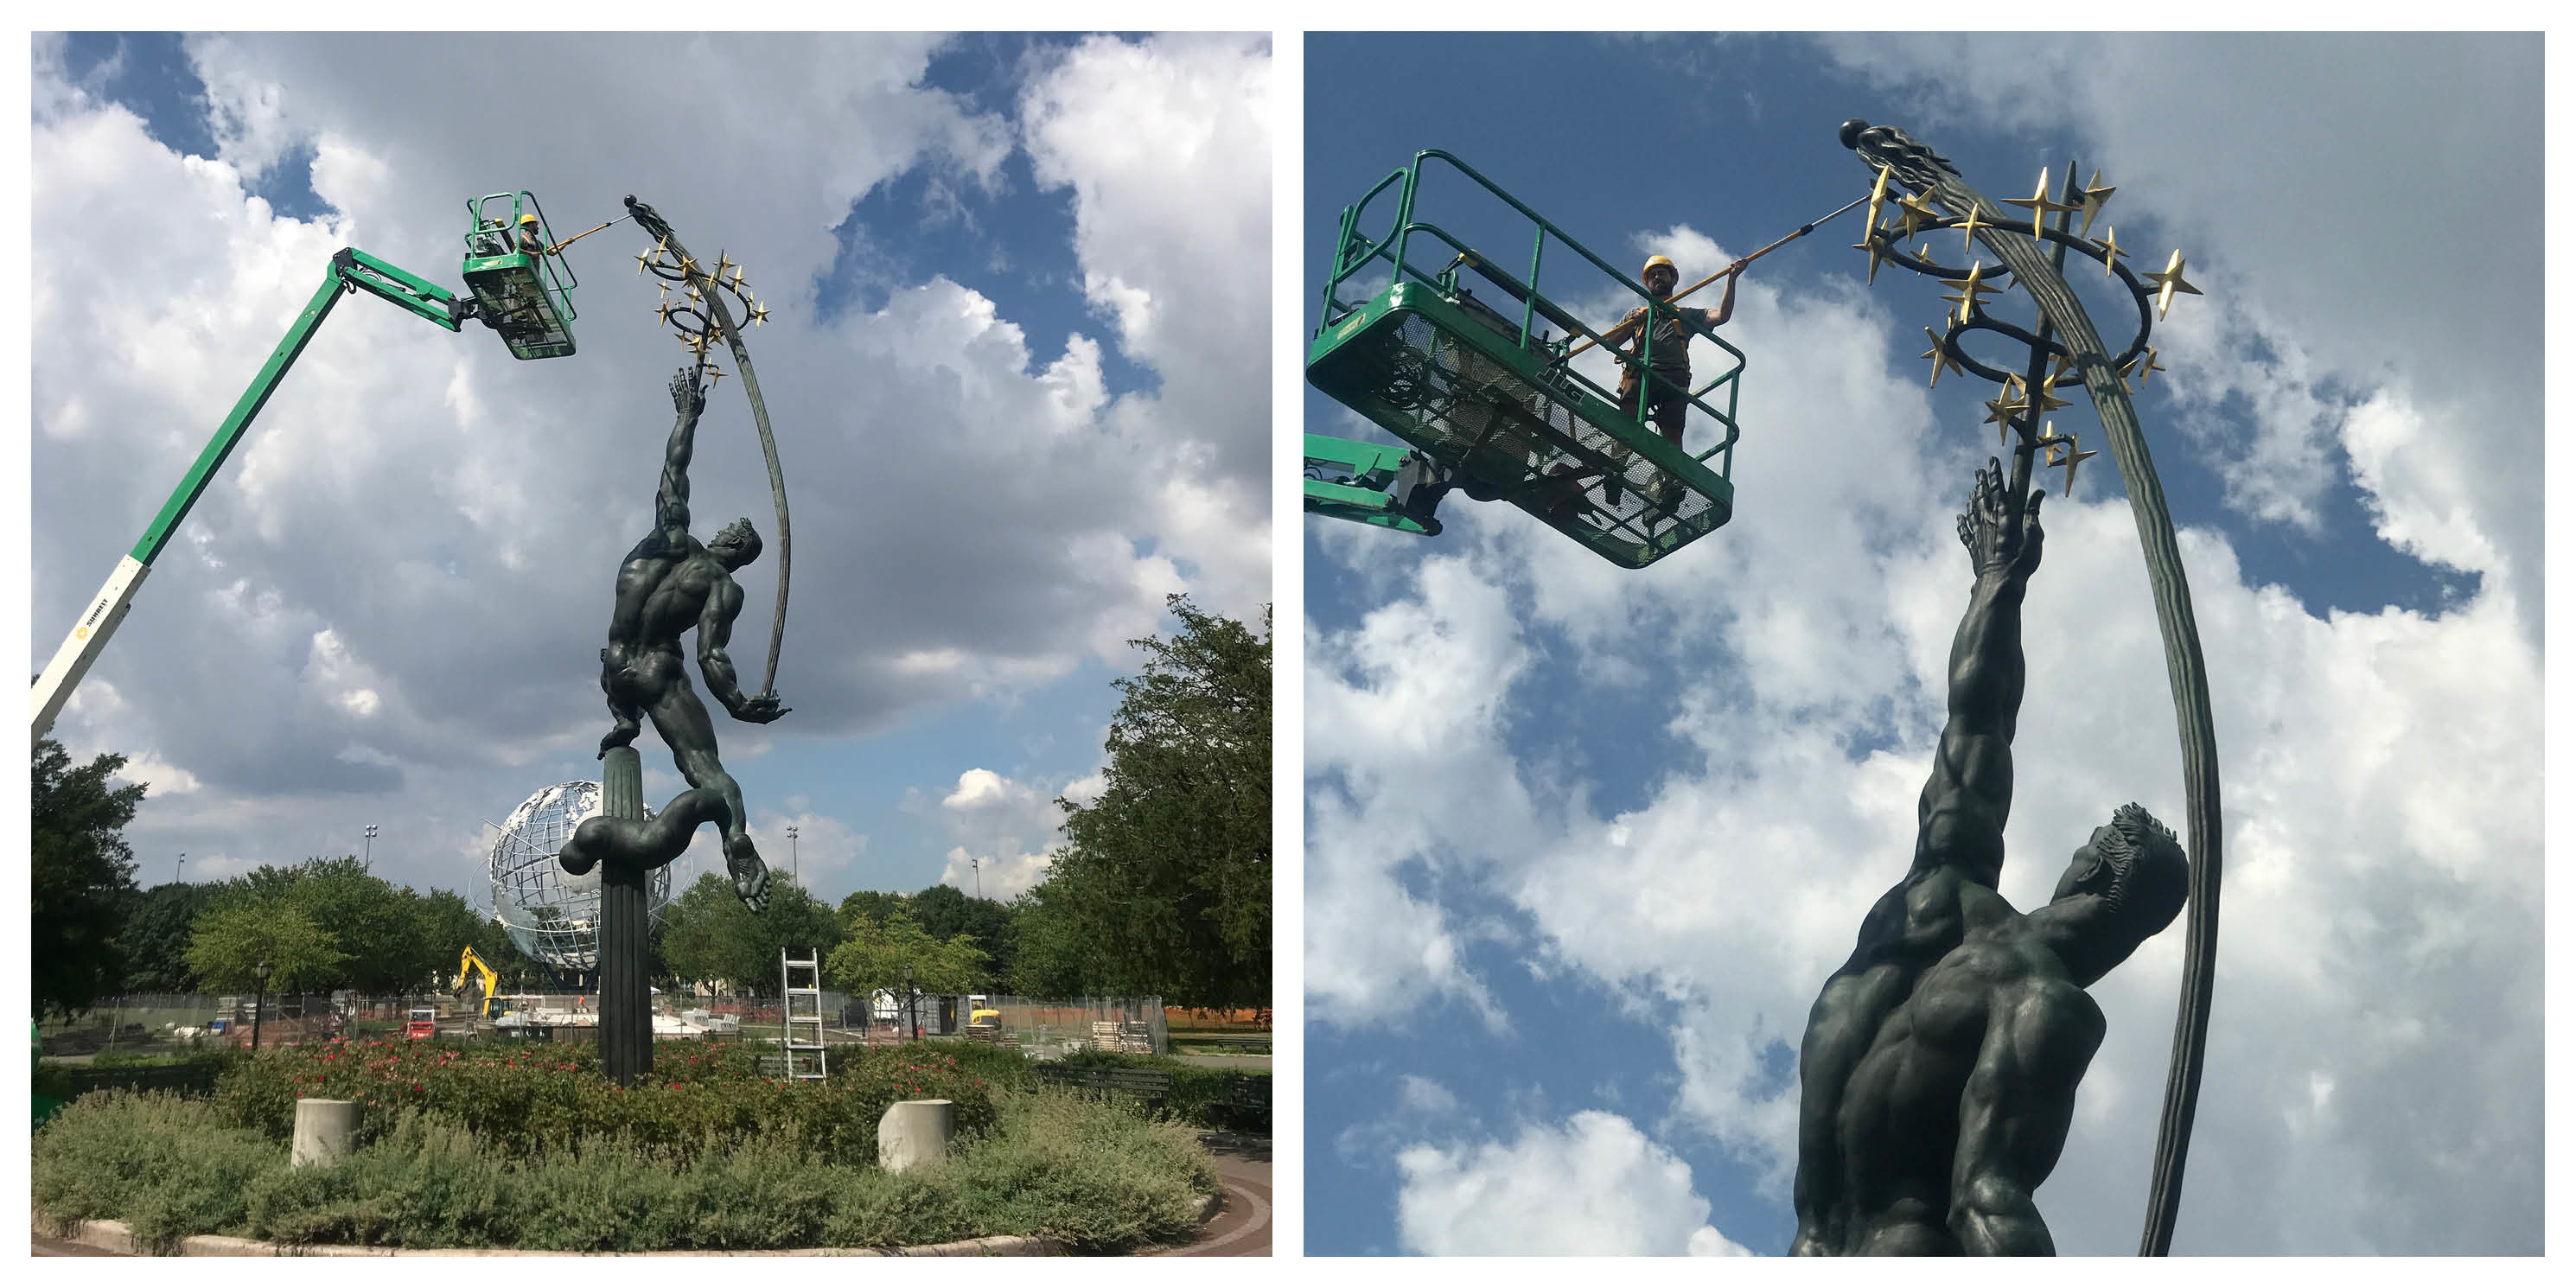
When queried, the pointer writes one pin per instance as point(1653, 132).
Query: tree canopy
point(81, 878)
point(231, 938)
point(876, 953)
point(1163, 885)
point(708, 935)
point(155, 940)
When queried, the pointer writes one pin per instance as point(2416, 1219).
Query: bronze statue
point(668, 584)
point(1938, 1074)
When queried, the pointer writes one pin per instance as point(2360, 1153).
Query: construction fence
point(161, 1022)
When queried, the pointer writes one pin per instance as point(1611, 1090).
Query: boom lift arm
point(351, 270)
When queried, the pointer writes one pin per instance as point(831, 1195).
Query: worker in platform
point(532, 241)
point(1663, 353)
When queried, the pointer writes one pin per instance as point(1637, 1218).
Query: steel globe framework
point(552, 915)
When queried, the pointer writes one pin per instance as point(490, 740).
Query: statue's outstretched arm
point(1965, 803)
point(671, 503)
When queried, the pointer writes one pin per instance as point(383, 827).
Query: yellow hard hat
point(1656, 263)
point(527, 219)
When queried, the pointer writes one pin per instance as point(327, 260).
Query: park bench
point(196, 1079)
point(1144, 1084)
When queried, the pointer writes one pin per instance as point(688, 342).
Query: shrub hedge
point(519, 1104)
point(1098, 1178)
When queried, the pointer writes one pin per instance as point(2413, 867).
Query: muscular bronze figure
point(1938, 1075)
point(668, 584)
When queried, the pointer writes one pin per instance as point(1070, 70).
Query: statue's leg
point(682, 721)
point(622, 705)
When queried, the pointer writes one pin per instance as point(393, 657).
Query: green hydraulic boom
point(514, 294)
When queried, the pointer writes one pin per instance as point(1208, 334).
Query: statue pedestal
point(625, 935)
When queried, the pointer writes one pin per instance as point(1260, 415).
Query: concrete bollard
point(323, 1131)
point(914, 1132)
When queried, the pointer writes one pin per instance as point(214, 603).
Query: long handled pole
point(1803, 230)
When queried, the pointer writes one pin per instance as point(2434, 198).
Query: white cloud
point(1006, 832)
point(1595, 1186)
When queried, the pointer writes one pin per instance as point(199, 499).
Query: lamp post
point(795, 866)
point(175, 867)
point(978, 866)
point(369, 862)
point(259, 1003)
point(911, 1008)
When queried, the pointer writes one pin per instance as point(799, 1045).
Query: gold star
point(1916, 208)
point(2064, 451)
point(2064, 364)
point(737, 277)
point(2048, 401)
point(1878, 197)
point(1941, 359)
point(714, 374)
point(1969, 227)
point(1971, 290)
point(1869, 242)
point(1924, 253)
point(2039, 204)
point(641, 261)
point(722, 263)
point(2109, 241)
point(2168, 282)
point(689, 268)
point(2144, 365)
point(2007, 406)
point(2095, 197)
point(759, 313)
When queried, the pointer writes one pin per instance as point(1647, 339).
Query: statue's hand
point(685, 394)
point(622, 735)
point(760, 710)
point(1998, 540)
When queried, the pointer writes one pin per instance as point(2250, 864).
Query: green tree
point(1053, 959)
point(945, 912)
point(875, 953)
point(377, 931)
point(1163, 886)
point(877, 904)
point(447, 924)
point(81, 878)
point(155, 938)
point(708, 935)
point(231, 937)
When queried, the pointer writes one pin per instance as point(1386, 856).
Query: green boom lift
point(1484, 391)
point(518, 288)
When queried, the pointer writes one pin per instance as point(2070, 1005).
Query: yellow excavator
point(468, 966)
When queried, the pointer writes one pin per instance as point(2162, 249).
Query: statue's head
point(735, 545)
point(2135, 867)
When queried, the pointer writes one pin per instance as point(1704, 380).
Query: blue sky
point(1583, 842)
point(968, 355)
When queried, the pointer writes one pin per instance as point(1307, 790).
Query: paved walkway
point(1242, 1227)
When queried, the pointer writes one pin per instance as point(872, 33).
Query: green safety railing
point(1477, 387)
point(493, 256)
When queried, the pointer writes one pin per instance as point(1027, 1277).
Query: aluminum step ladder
point(802, 1043)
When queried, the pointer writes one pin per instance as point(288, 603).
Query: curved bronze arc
point(2184, 668)
point(722, 317)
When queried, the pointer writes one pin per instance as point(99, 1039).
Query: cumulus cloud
point(384, 606)
point(1594, 1186)
point(1005, 831)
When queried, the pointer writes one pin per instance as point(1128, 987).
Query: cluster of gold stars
point(692, 316)
point(2017, 403)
